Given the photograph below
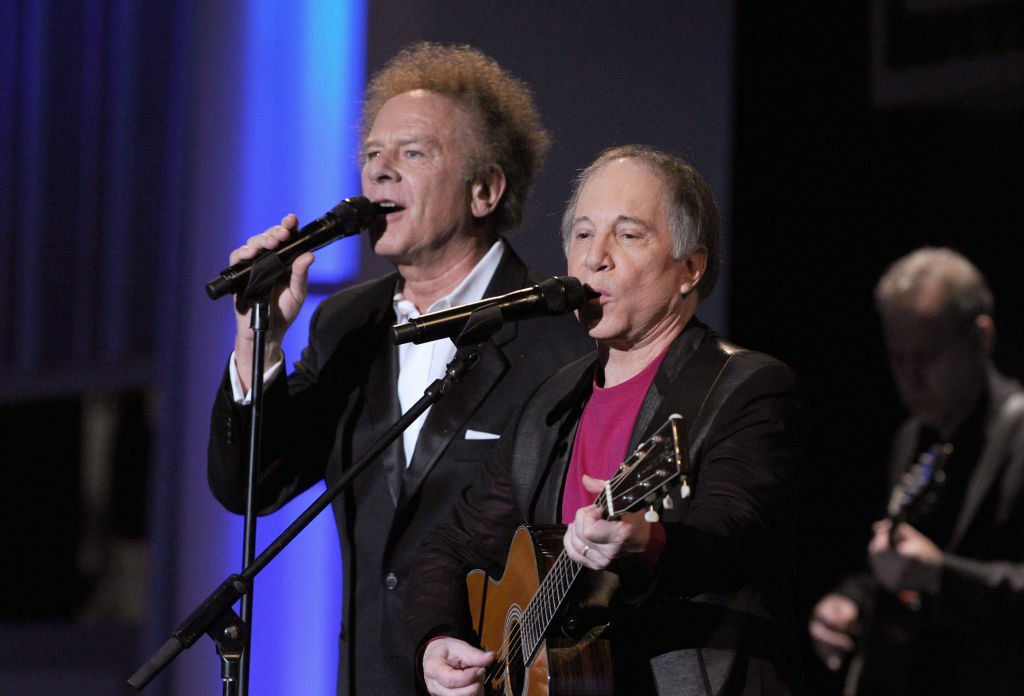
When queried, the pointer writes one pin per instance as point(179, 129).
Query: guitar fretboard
point(542, 608)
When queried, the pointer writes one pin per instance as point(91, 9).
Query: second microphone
point(553, 296)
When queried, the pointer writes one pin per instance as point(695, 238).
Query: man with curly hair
point(453, 142)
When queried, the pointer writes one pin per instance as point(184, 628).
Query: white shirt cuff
point(236, 384)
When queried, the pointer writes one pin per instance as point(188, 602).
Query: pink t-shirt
point(603, 435)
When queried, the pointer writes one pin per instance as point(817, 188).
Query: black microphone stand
point(215, 616)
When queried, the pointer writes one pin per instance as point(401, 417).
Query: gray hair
point(690, 206)
point(966, 295)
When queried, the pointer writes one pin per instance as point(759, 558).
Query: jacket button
point(391, 581)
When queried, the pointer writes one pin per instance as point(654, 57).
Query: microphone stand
point(215, 616)
point(235, 668)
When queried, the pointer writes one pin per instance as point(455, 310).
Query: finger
point(880, 539)
point(579, 549)
point(592, 485)
point(302, 263)
point(472, 658)
point(906, 535)
point(268, 239)
point(836, 640)
point(453, 679)
point(830, 647)
point(586, 518)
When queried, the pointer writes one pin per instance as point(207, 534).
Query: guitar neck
point(645, 475)
point(545, 604)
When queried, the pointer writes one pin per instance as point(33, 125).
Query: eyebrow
point(406, 140)
point(618, 221)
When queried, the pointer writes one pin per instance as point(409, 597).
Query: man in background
point(941, 608)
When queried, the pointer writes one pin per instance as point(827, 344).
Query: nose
point(597, 258)
point(381, 169)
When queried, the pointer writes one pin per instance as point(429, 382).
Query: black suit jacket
point(717, 617)
point(340, 399)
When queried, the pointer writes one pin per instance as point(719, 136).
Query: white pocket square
point(480, 435)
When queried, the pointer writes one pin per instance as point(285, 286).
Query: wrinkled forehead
point(626, 187)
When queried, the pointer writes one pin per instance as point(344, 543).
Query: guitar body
point(884, 661)
point(559, 666)
point(886, 651)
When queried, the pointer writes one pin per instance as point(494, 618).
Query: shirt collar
point(471, 289)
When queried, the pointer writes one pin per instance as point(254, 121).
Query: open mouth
point(385, 207)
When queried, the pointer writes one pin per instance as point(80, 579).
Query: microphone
point(550, 297)
point(254, 275)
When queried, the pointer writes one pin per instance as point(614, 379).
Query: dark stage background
point(837, 172)
point(837, 136)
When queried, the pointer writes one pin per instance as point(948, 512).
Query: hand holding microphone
point(280, 257)
point(253, 275)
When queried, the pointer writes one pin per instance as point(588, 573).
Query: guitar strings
point(563, 573)
point(552, 589)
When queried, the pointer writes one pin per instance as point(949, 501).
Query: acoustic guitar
point(885, 650)
point(521, 616)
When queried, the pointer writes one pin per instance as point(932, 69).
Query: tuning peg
point(668, 503)
point(684, 490)
point(651, 515)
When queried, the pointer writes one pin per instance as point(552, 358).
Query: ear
point(486, 191)
point(695, 264)
point(986, 329)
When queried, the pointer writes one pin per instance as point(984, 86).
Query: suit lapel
point(991, 461)
point(380, 399)
point(544, 441)
point(386, 411)
point(678, 355)
point(697, 352)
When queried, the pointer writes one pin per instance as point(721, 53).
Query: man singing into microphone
point(453, 142)
point(702, 595)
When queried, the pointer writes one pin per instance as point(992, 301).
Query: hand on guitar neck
point(903, 559)
point(594, 541)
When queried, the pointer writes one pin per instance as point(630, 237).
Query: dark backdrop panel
point(829, 190)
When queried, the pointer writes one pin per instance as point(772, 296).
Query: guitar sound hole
point(511, 680)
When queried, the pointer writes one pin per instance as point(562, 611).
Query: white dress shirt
point(418, 364)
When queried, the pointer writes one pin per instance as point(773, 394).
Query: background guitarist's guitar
point(885, 650)
point(516, 615)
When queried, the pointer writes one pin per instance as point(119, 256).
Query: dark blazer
point(714, 618)
point(971, 631)
point(339, 400)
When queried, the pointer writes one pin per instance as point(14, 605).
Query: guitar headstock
point(922, 477)
point(647, 474)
